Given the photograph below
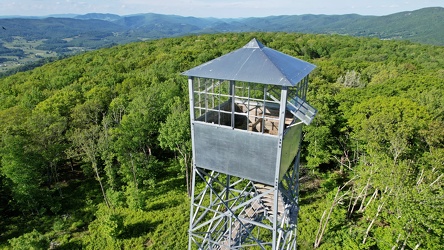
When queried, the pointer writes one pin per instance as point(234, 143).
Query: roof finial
point(254, 44)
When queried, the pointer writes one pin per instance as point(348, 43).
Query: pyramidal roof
point(255, 63)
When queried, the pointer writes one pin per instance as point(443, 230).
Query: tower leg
point(228, 212)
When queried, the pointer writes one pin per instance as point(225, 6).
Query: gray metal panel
point(255, 63)
point(301, 110)
point(235, 152)
point(290, 147)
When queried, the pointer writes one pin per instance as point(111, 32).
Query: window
point(239, 105)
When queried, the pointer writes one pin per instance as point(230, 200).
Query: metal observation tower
point(247, 110)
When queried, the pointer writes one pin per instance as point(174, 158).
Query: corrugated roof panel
point(255, 63)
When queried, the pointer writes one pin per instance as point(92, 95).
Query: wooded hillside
point(94, 147)
point(28, 42)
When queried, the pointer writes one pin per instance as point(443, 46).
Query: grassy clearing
point(85, 222)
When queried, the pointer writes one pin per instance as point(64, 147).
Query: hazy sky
point(213, 8)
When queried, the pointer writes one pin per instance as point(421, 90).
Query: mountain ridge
point(25, 40)
point(423, 25)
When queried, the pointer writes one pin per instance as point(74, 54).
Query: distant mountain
point(423, 26)
point(27, 40)
point(100, 16)
point(40, 17)
point(55, 28)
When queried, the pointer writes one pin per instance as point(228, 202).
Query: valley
point(28, 42)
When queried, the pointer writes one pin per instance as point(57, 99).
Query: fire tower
point(247, 109)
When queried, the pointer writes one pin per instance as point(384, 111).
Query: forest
point(94, 148)
point(29, 41)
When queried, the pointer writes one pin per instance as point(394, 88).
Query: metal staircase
point(268, 199)
point(260, 208)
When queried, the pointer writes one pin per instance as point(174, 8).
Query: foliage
point(33, 240)
point(175, 135)
point(95, 148)
point(29, 39)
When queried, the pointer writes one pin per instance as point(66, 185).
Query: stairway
point(256, 211)
point(268, 199)
point(238, 232)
